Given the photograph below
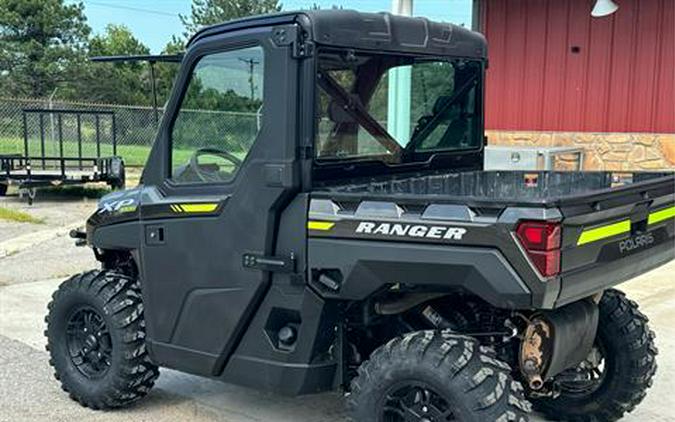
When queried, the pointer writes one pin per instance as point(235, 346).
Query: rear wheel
point(3, 189)
point(435, 376)
point(96, 339)
point(614, 378)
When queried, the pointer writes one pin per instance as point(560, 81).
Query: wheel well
point(392, 313)
point(118, 259)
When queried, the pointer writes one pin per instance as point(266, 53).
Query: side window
point(219, 118)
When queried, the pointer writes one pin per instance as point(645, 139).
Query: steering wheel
point(211, 175)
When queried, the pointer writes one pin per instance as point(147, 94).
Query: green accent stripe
point(661, 215)
point(320, 225)
point(128, 208)
point(197, 208)
point(599, 233)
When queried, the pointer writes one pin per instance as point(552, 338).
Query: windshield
point(395, 109)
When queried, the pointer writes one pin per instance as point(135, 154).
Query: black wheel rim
point(89, 342)
point(415, 402)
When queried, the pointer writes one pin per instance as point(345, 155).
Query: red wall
point(621, 80)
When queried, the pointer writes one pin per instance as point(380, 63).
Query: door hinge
point(303, 49)
point(284, 264)
point(294, 36)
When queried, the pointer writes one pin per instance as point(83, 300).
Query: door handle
point(154, 235)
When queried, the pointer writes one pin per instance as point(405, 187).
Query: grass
point(133, 155)
point(91, 191)
point(18, 216)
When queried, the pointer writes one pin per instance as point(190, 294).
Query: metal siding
point(664, 100)
point(534, 64)
point(621, 80)
point(555, 55)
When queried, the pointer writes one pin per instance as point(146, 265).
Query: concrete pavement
point(33, 252)
point(29, 392)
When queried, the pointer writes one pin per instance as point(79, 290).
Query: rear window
point(396, 109)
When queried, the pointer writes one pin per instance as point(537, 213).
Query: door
point(225, 154)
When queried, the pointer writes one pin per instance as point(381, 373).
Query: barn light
point(604, 8)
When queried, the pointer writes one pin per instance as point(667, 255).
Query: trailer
point(63, 147)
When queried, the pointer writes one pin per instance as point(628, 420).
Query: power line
point(131, 8)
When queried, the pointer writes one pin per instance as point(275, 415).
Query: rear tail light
point(541, 241)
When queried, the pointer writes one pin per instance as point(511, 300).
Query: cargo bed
point(546, 188)
point(613, 226)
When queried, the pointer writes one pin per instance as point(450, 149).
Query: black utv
point(314, 216)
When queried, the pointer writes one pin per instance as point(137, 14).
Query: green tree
point(209, 12)
point(42, 45)
point(116, 40)
point(203, 13)
point(166, 72)
point(120, 83)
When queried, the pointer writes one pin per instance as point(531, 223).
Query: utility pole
point(251, 67)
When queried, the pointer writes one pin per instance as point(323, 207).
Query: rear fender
point(355, 269)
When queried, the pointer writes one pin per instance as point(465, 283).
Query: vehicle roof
point(368, 31)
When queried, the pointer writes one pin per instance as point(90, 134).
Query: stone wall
point(603, 151)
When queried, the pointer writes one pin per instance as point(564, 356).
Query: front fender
point(116, 222)
point(122, 236)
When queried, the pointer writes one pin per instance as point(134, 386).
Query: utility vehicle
point(314, 216)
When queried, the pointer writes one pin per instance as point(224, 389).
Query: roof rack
point(151, 59)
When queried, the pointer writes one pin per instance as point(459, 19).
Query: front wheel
point(615, 376)
point(435, 376)
point(96, 340)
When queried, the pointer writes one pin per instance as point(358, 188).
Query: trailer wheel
point(117, 184)
point(3, 189)
point(615, 377)
point(436, 376)
point(96, 339)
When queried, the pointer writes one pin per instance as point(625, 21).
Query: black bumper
point(587, 281)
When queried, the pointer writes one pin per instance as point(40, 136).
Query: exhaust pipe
point(557, 340)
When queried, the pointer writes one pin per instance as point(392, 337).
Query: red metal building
point(554, 68)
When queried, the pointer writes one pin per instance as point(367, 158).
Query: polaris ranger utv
point(314, 216)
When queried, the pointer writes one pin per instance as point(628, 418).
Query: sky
point(155, 21)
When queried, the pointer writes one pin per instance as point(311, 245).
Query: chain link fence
point(135, 128)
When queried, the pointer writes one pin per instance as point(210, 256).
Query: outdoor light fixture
point(604, 8)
